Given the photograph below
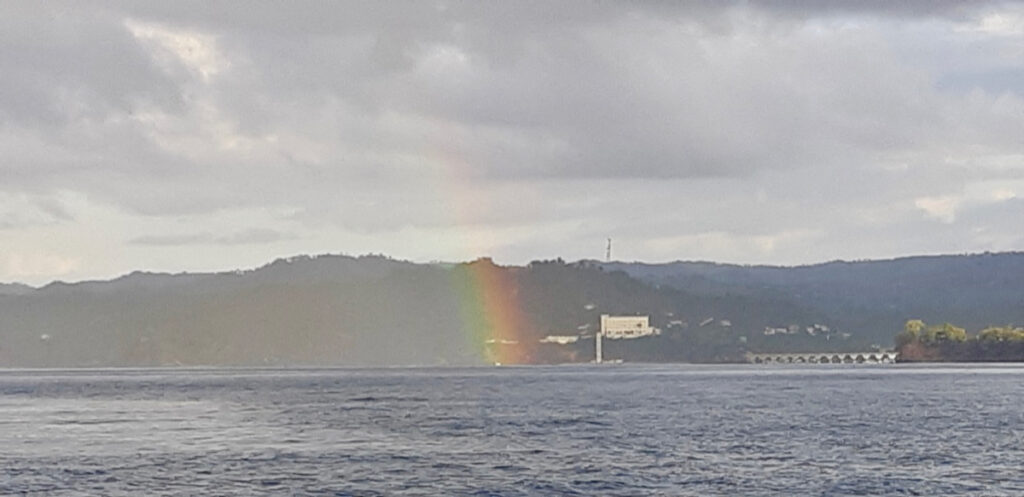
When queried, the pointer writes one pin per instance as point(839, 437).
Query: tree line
point(919, 342)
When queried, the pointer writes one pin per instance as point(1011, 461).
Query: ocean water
point(577, 430)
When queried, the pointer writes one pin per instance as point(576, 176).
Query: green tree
point(914, 327)
point(1001, 334)
point(945, 332)
point(911, 332)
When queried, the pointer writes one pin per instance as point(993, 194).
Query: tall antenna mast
point(608, 251)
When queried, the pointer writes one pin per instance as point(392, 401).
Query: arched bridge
point(874, 357)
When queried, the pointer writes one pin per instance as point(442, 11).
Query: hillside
point(340, 310)
point(372, 310)
point(869, 299)
point(14, 289)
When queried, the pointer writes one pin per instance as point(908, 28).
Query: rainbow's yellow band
point(492, 314)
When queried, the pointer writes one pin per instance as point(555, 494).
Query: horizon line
point(436, 262)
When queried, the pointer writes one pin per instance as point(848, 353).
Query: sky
point(199, 136)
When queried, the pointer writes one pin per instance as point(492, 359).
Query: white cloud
point(196, 51)
point(1001, 194)
point(942, 207)
point(30, 266)
point(1007, 22)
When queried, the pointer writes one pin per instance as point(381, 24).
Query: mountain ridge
point(373, 310)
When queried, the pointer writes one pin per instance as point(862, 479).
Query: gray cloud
point(670, 123)
point(248, 237)
point(171, 240)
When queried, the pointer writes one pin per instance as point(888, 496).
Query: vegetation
point(1001, 334)
point(372, 310)
point(868, 299)
point(919, 342)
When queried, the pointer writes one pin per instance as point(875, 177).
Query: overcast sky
point(181, 136)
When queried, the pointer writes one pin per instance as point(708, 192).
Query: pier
point(874, 357)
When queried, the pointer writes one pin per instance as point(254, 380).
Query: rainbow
point(492, 313)
point(495, 327)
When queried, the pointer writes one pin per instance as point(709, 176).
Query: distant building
point(818, 329)
point(501, 341)
point(560, 339)
point(616, 327)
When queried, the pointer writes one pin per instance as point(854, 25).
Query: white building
point(616, 327)
point(560, 339)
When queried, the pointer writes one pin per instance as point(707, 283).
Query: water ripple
point(619, 431)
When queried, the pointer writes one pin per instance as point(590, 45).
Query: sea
point(587, 430)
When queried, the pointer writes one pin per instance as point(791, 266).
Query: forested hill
point(14, 289)
point(339, 310)
point(372, 310)
point(870, 299)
